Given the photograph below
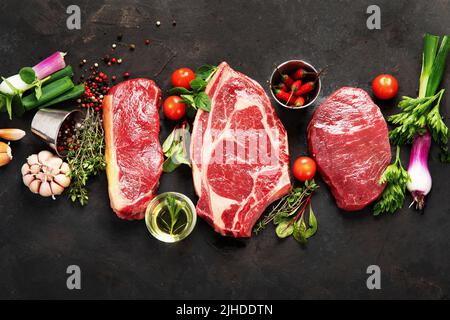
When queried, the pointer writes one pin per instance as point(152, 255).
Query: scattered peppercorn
point(132, 47)
point(158, 23)
point(147, 42)
point(126, 75)
point(119, 61)
point(114, 46)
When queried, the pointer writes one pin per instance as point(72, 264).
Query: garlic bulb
point(46, 174)
point(5, 154)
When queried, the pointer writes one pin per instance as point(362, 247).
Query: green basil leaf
point(27, 75)
point(284, 229)
point(205, 72)
point(179, 91)
point(188, 99)
point(198, 85)
point(169, 166)
point(167, 145)
point(312, 224)
point(202, 101)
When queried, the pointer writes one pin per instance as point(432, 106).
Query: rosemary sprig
point(86, 156)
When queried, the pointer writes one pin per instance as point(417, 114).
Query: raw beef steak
point(240, 154)
point(348, 137)
point(133, 153)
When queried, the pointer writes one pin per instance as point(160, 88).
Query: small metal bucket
point(47, 124)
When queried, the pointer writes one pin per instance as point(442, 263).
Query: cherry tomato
point(182, 78)
point(385, 87)
point(304, 169)
point(174, 109)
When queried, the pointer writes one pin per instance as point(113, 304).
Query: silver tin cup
point(47, 124)
point(289, 67)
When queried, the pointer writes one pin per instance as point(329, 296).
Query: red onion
point(420, 178)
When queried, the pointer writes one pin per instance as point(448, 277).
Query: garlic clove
point(12, 134)
point(25, 169)
point(4, 159)
point(35, 168)
point(45, 155)
point(56, 188)
point(62, 180)
point(27, 179)
point(4, 148)
point(5, 154)
point(33, 159)
point(65, 168)
point(35, 186)
point(53, 163)
point(45, 190)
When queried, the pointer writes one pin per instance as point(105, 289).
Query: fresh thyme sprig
point(86, 157)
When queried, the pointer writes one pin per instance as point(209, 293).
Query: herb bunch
point(289, 214)
point(196, 98)
point(86, 156)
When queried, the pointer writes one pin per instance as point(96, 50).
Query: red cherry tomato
point(304, 169)
point(182, 78)
point(174, 109)
point(385, 87)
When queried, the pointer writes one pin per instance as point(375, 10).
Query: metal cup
point(47, 124)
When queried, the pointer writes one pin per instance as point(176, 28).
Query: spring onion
point(42, 70)
point(29, 78)
point(49, 92)
point(418, 123)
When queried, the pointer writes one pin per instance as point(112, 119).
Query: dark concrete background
point(39, 237)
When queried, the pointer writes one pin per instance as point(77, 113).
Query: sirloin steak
point(134, 156)
point(239, 153)
point(348, 137)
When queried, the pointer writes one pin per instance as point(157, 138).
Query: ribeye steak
point(240, 154)
point(348, 137)
point(133, 152)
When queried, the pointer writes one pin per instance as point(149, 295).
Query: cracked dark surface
point(39, 238)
